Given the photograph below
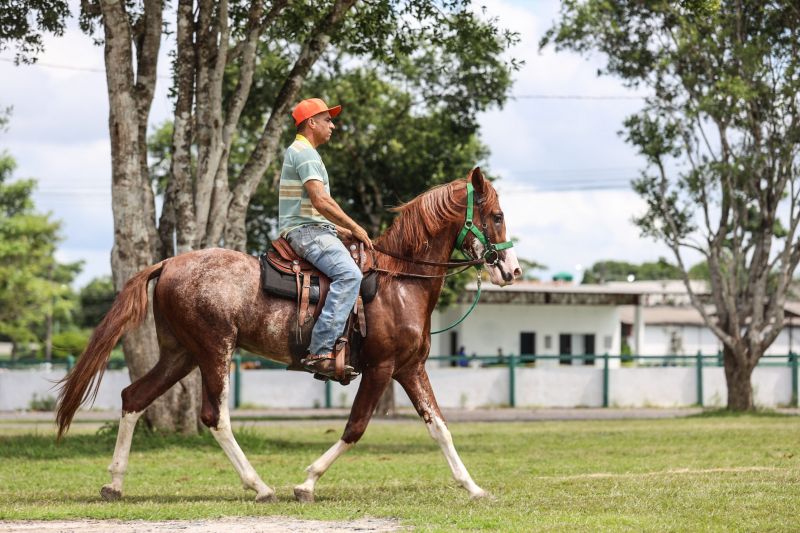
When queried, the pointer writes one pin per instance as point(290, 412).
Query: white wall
point(694, 339)
point(17, 388)
point(701, 339)
point(457, 387)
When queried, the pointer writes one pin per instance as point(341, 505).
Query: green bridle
point(489, 248)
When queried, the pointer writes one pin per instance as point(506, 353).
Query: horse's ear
point(477, 179)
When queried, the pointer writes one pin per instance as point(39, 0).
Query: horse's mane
point(418, 220)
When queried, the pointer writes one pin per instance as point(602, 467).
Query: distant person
point(462, 357)
point(501, 359)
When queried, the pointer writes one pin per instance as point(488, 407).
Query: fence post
point(699, 366)
point(70, 362)
point(605, 379)
point(793, 362)
point(512, 381)
point(237, 380)
point(328, 402)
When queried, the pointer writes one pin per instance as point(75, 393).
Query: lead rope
point(460, 320)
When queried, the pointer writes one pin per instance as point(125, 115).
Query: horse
point(208, 302)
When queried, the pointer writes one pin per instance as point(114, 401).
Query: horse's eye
point(498, 219)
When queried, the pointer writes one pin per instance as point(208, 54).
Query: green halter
point(489, 248)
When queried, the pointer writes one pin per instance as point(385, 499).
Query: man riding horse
point(311, 221)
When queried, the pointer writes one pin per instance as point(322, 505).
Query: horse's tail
point(127, 312)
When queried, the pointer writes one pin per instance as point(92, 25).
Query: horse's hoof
point(110, 494)
point(303, 495)
point(267, 497)
point(482, 495)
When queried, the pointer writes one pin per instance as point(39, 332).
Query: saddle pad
point(282, 285)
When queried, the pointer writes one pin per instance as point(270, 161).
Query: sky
point(565, 172)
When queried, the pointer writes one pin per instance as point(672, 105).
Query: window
point(565, 349)
point(527, 346)
point(607, 342)
point(588, 349)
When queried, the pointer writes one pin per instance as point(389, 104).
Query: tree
point(33, 285)
point(220, 46)
point(604, 271)
point(95, 300)
point(720, 135)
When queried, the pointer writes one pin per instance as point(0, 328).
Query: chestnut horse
point(208, 302)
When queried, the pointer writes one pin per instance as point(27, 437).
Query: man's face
point(322, 126)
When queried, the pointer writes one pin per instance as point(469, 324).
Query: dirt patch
point(262, 524)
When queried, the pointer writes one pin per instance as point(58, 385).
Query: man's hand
point(361, 234)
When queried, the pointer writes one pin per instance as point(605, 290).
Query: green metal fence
point(513, 362)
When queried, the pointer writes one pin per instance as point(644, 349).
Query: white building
point(535, 319)
point(654, 318)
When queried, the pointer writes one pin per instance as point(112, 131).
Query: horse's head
point(487, 216)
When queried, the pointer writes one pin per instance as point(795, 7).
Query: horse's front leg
point(373, 382)
point(416, 384)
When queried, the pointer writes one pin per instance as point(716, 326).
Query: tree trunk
point(134, 220)
point(737, 378)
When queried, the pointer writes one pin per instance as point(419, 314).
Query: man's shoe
point(325, 365)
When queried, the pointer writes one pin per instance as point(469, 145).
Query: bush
point(45, 403)
point(71, 342)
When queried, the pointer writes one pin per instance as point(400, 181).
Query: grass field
point(726, 473)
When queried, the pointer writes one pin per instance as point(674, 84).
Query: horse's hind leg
point(373, 383)
point(416, 384)
point(216, 416)
point(173, 366)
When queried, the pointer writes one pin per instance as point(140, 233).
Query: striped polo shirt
point(301, 163)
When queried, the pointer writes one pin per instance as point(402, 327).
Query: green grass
point(716, 473)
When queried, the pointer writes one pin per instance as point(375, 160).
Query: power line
point(575, 97)
point(513, 97)
point(93, 70)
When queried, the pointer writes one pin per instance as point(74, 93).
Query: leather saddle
point(284, 274)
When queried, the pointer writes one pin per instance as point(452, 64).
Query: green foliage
point(71, 342)
point(604, 271)
point(32, 284)
point(23, 23)
point(43, 403)
point(720, 102)
point(386, 150)
point(95, 301)
point(720, 132)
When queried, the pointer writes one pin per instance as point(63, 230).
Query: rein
point(490, 250)
point(449, 264)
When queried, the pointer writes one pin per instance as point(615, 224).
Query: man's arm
point(327, 207)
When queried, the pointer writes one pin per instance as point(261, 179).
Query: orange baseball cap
point(310, 107)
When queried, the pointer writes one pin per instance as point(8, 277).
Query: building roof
point(649, 293)
point(663, 286)
point(555, 293)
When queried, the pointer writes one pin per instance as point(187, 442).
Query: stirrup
point(323, 366)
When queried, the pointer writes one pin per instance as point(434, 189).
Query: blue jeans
point(319, 245)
